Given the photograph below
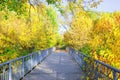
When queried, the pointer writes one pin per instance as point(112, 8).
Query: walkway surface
point(57, 66)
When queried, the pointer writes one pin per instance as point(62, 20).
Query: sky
point(109, 6)
point(106, 6)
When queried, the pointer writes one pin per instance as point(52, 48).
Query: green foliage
point(52, 15)
point(23, 34)
point(52, 1)
point(86, 49)
point(19, 6)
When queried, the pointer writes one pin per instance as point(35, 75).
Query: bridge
point(50, 65)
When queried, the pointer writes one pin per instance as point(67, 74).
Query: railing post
point(96, 71)
point(10, 72)
point(37, 57)
point(23, 67)
point(31, 61)
point(35, 60)
point(114, 75)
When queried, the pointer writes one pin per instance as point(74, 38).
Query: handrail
point(19, 67)
point(113, 68)
point(95, 69)
point(14, 59)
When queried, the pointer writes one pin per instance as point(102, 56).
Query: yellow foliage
point(102, 37)
point(20, 34)
point(104, 24)
point(77, 36)
point(116, 16)
point(105, 40)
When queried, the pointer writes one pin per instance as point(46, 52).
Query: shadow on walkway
point(58, 66)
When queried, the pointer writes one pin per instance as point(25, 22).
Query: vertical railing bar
point(114, 75)
point(23, 66)
point(3, 72)
point(24, 71)
point(1, 76)
point(34, 61)
point(10, 72)
point(31, 61)
point(37, 58)
point(5, 75)
point(15, 69)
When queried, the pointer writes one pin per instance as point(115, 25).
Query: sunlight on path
point(57, 66)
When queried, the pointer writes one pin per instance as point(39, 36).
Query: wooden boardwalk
point(57, 66)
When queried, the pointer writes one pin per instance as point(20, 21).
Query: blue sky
point(106, 6)
point(109, 6)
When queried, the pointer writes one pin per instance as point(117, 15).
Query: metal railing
point(95, 69)
point(18, 68)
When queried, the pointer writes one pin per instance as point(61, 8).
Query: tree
point(77, 36)
point(26, 31)
point(105, 40)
